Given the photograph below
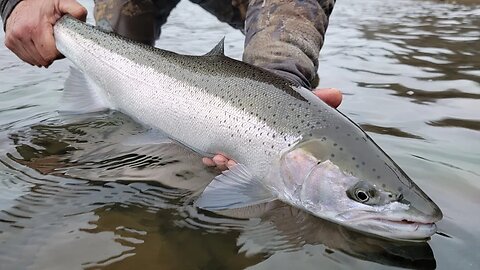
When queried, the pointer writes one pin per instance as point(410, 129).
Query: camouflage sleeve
point(6, 7)
point(228, 11)
point(285, 36)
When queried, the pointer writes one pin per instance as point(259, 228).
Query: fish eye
point(363, 192)
point(361, 195)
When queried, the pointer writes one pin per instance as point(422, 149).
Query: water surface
point(80, 192)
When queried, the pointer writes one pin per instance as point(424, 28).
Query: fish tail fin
point(81, 95)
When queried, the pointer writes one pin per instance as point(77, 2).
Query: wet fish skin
point(215, 104)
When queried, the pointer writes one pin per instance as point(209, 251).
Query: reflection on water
point(101, 192)
point(451, 122)
point(155, 223)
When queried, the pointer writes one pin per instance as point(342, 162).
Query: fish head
point(369, 193)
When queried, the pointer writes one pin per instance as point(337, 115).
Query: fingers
point(29, 51)
point(220, 162)
point(20, 51)
point(73, 8)
point(45, 46)
point(34, 53)
point(231, 163)
point(208, 162)
point(22, 48)
point(331, 96)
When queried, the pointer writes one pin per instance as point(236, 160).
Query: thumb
point(331, 96)
point(73, 8)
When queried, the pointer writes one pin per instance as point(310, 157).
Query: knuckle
point(22, 32)
point(8, 42)
point(49, 54)
point(14, 34)
point(43, 62)
point(83, 11)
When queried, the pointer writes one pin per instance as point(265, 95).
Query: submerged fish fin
point(151, 136)
point(218, 49)
point(232, 189)
point(80, 95)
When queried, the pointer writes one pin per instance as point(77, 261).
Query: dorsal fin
point(218, 49)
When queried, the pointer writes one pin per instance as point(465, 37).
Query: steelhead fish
point(289, 145)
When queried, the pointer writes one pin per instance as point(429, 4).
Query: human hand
point(331, 96)
point(29, 29)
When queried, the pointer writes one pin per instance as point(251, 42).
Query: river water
point(77, 192)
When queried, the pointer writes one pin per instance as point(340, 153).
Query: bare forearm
point(286, 37)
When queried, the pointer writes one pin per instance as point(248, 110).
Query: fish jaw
point(395, 229)
point(395, 220)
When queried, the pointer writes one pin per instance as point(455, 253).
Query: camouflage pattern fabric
point(283, 36)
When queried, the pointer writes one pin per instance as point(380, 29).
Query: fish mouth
point(396, 228)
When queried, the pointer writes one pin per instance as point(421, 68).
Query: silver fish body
point(215, 104)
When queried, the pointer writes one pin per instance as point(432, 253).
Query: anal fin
point(232, 189)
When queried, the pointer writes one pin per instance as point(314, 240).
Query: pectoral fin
point(234, 188)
